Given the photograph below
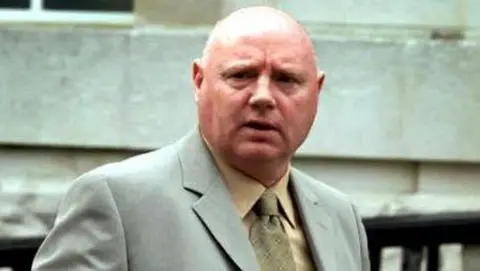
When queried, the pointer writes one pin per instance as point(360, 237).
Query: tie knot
point(267, 205)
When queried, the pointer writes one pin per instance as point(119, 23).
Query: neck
point(266, 173)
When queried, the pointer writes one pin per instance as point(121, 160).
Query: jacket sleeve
point(87, 233)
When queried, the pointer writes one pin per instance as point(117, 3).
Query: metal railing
point(420, 237)
point(17, 253)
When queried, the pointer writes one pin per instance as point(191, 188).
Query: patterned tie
point(268, 238)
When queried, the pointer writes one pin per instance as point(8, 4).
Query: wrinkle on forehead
point(256, 21)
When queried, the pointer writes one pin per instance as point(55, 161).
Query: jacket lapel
point(317, 223)
point(214, 206)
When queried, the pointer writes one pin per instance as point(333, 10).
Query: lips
point(260, 125)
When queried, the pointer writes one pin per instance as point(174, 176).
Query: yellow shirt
point(246, 191)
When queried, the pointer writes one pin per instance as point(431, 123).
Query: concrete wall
point(371, 18)
point(409, 13)
point(411, 100)
point(32, 180)
point(426, 13)
point(395, 117)
point(397, 128)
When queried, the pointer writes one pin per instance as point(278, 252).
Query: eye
point(285, 78)
point(243, 75)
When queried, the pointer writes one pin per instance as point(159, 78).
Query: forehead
point(275, 48)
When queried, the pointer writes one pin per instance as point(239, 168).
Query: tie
point(268, 238)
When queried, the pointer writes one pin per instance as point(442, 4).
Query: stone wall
point(413, 100)
point(397, 128)
point(373, 18)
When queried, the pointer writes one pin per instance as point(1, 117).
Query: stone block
point(376, 12)
point(473, 13)
point(441, 101)
point(27, 214)
point(373, 204)
point(371, 14)
point(32, 182)
point(51, 164)
point(171, 12)
point(61, 87)
point(159, 104)
point(382, 99)
point(473, 34)
point(425, 203)
point(361, 176)
point(187, 12)
point(360, 106)
point(232, 5)
point(449, 179)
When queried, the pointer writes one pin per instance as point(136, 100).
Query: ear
point(197, 77)
point(320, 79)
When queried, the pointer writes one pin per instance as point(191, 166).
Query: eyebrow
point(239, 65)
point(289, 69)
point(291, 73)
point(293, 70)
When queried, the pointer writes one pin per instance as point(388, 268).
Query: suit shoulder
point(137, 168)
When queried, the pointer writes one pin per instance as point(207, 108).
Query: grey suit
point(169, 210)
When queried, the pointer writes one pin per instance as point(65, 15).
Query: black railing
point(17, 253)
point(420, 237)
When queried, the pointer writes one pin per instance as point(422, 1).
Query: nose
point(262, 97)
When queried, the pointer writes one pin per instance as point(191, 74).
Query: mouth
point(260, 125)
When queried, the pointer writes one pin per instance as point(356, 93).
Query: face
point(257, 96)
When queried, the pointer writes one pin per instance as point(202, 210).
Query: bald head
point(256, 21)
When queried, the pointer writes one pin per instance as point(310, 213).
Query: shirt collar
point(245, 191)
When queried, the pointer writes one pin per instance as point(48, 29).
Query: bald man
point(225, 196)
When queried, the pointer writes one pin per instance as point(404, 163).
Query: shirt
point(245, 192)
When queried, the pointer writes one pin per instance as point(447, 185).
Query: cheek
point(229, 105)
point(205, 109)
point(221, 111)
point(299, 114)
point(224, 106)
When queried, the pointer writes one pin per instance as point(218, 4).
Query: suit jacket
point(169, 210)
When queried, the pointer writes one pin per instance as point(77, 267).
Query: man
point(224, 197)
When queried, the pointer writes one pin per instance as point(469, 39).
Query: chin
point(258, 151)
